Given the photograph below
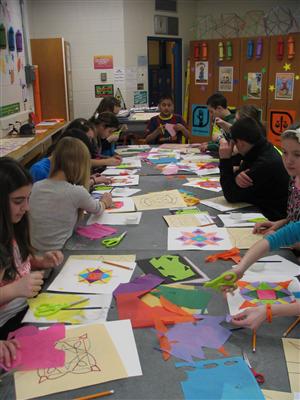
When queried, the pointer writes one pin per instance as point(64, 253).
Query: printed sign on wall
point(103, 62)
point(284, 86)
point(200, 120)
point(201, 73)
point(140, 97)
point(278, 122)
point(225, 79)
point(104, 90)
point(254, 83)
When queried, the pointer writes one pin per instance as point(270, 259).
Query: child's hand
point(243, 180)
point(262, 228)
point(101, 179)
point(203, 147)
point(52, 259)
point(106, 199)
point(29, 285)
point(113, 161)
point(251, 318)
point(8, 351)
point(225, 149)
point(225, 289)
point(178, 127)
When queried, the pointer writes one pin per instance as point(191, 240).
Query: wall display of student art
point(200, 120)
point(104, 90)
point(284, 86)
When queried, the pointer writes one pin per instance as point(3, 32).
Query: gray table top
point(160, 379)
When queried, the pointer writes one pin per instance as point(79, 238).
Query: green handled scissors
point(220, 281)
point(44, 310)
point(114, 241)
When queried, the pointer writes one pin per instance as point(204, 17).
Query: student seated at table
point(220, 114)
point(106, 125)
point(41, 169)
point(17, 257)
point(157, 132)
point(290, 145)
point(261, 162)
point(254, 317)
point(56, 203)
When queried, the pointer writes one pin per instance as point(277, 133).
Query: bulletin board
point(254, 73)
point(12, 75)
point(283, 86)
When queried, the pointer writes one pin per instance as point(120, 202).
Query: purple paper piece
point(228, 318)
point(187, 339)
point(37, 348)
point(141, 283)
point(95, 231)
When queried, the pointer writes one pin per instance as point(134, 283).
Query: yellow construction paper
point(242, 238)
point(91, 358)
point(292, 356)
point(274, 395)
point(159, 200)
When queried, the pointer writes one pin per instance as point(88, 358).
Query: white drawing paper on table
point(124, 192)
point(121, 204)
point(251, 294)
point(89, 276)
point(159, 200)
point(133, 218)
point(221, 204)
point(128, 180)
point(95, 353)
point(234, 220)
point(131, 162)
point(276, 268)
point(116, 171)
point(208, 183)
point(95, 308)
point(206, 171)
point(198, 238)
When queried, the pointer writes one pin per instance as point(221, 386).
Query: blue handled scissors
point(44, 310)
point(220, 281)
point(114, 241)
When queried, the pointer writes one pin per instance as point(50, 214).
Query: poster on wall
point(225, 79)
point(103, 62)
point(278, 122)
point(200, 120)
point(201, 73)
point(140, 97)
point(254, 84)
point(103, 90)
point(284, 86)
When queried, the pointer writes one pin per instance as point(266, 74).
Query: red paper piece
point(232, 254)
point(37, 348)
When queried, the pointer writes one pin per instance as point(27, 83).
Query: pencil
point(117, 265)
point(291, 327)
point(268, 261)
point(96, 395)
point(212, 223)
point(254, 341)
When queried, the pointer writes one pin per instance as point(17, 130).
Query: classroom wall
point(93, 27)
point(211, 12)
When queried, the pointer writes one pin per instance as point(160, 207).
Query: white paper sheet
point(128, 180)
point(119, 171)
point(221, 204)
point(207, 183)
point(121, 204)
point(71, 279)
point(198, 238)
point(124, 192)
point(133, 218)
point(235, 220)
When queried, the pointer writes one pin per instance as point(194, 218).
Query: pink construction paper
point(170, 129)
point(95, 231)
point(37, 348)
point(266, 294)
point(170, 169)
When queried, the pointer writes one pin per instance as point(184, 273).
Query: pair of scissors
point(114, 241)
point(220, 281)
point(260, 379)
point(44, 310)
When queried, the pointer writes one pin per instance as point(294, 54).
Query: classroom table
point(161, 379)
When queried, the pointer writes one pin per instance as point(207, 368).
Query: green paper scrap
point(103, 187)
point(260, 219)
point(245, 98)
point(263, 70)
point(171, 267)
point(197, 299)
point(188, 211)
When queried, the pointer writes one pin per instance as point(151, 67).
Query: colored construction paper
point(292, 356)
point(163, 160)
point(141, 283)
point(95, 231)
point(37, 348)
point(198, 299)
point(173, 268)
point(188, 339)
point(226, 378)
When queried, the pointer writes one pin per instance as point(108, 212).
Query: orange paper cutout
point(232, 254)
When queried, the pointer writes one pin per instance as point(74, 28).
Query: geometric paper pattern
point(199, 238)
point(258, 293)
point(95, 275)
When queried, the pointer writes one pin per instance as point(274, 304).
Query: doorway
point(165, 70)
